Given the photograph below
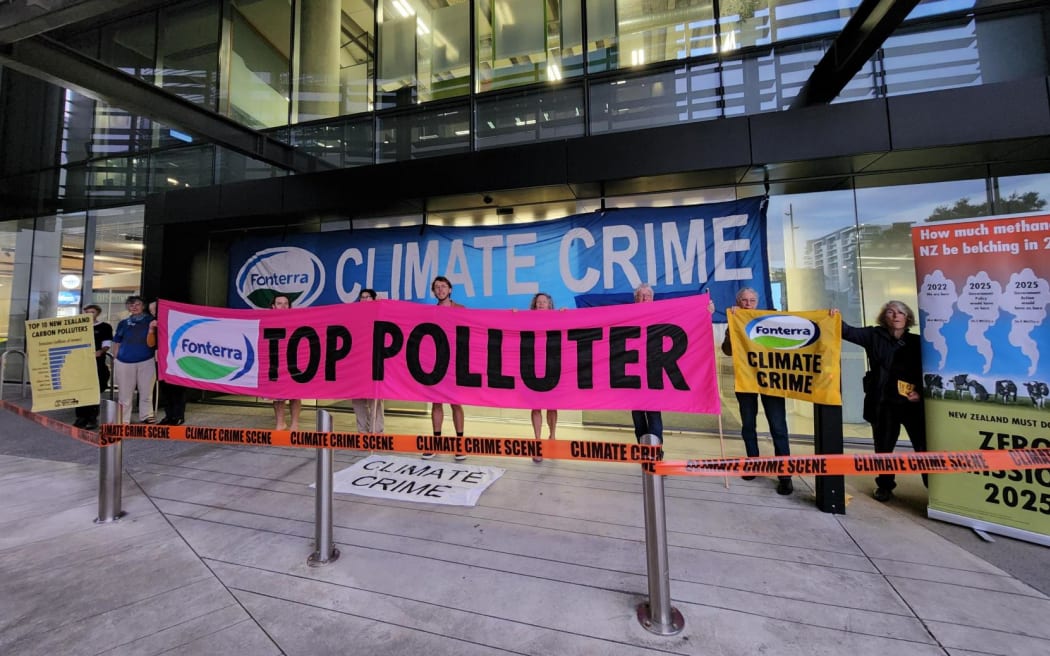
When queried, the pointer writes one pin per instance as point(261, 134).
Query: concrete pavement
point(211, 558)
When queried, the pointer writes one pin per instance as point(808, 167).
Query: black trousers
point(887, 429)
point(90, 412)
point(174, 400)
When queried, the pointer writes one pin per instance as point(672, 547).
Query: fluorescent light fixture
point(553, 72)
point(181, 136)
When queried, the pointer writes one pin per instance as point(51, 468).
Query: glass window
point(117, 258)
point(1021, 193)
point(234, 167)
point(129, 46)
point(423, 134)
point(342, 144)
point(530, 116)
point(334, 56)
point(188, 57)
point(627, 33)
point(424, 52)
point(180, 168)
point(640, 101)
point(259, 66)
point(513, 42)
point(16, 247)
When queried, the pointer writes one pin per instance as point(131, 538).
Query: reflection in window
point(259, 62)
point(335, 51)
point(127, 46)
point(188, 53)
point(424, 52)
point(514, 42)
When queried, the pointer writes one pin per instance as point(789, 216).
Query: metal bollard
point(110, 469)
point(657, 615)
point(326, 551)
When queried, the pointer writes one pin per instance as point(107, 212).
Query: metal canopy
point(53, 62)
point(862, 36)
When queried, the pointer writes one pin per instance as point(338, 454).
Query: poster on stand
point(983, 294)
point(61, 356)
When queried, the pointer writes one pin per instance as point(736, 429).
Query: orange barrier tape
point(79, 434)
point(476, 446)
point(932, 462)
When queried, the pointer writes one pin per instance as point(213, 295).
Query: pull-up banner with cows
point(983, 296)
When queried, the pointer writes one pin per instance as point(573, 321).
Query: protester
point(774, 406)
point(133, 366)
point(542, 301)
point(441, 288)
point(369, 412)
point(283, 302)
point(174, 395)
point(646, 422)
point(87, 415)
point(892, 385)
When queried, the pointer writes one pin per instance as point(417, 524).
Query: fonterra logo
point(213, 350)
point(293, 272)
point(782, 331)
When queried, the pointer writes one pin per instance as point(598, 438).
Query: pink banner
point(638, 356)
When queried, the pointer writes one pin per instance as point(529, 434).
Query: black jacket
point(889, 360)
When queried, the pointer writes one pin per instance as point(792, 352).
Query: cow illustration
point(1038, 391)
point(961, 385)
point(1006, 391)
point(934, 384)
point(978, 391)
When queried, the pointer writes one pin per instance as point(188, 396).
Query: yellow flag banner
point(61, 355)
point(789, 354)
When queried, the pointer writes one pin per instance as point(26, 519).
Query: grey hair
point(640, 288)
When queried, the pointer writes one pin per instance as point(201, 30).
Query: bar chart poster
point(61, 357)
point(983, 297)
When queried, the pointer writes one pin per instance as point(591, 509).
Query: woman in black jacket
point(893, 384)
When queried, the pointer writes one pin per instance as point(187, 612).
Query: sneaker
point(460, 457)
point(148, 420)
point(785, 486)
point(426, 456)
point(80, 422)
point(882, 494)
point(90, 424)
point(748, 478)
point(537, 459)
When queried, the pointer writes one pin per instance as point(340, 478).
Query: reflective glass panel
point(188, 53)
point(423, 134)
point(518, 42)
point(334, 55)
point(261, 42)
point(535, 115)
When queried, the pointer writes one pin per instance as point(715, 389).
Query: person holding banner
point(646, 422)
point(133, 366)
point(369, 412)
point(174, 395)
point(543, 301)
point(893, 384)
point(441, 288)
point(774, 407)
point(87, 415)
point(283, 302)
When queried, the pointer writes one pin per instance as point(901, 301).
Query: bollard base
point(107, 520)
point(646, 620)
point(315, 558)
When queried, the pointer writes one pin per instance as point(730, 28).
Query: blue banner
point(581, 260)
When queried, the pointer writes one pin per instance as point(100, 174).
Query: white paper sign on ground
point(411, 479)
